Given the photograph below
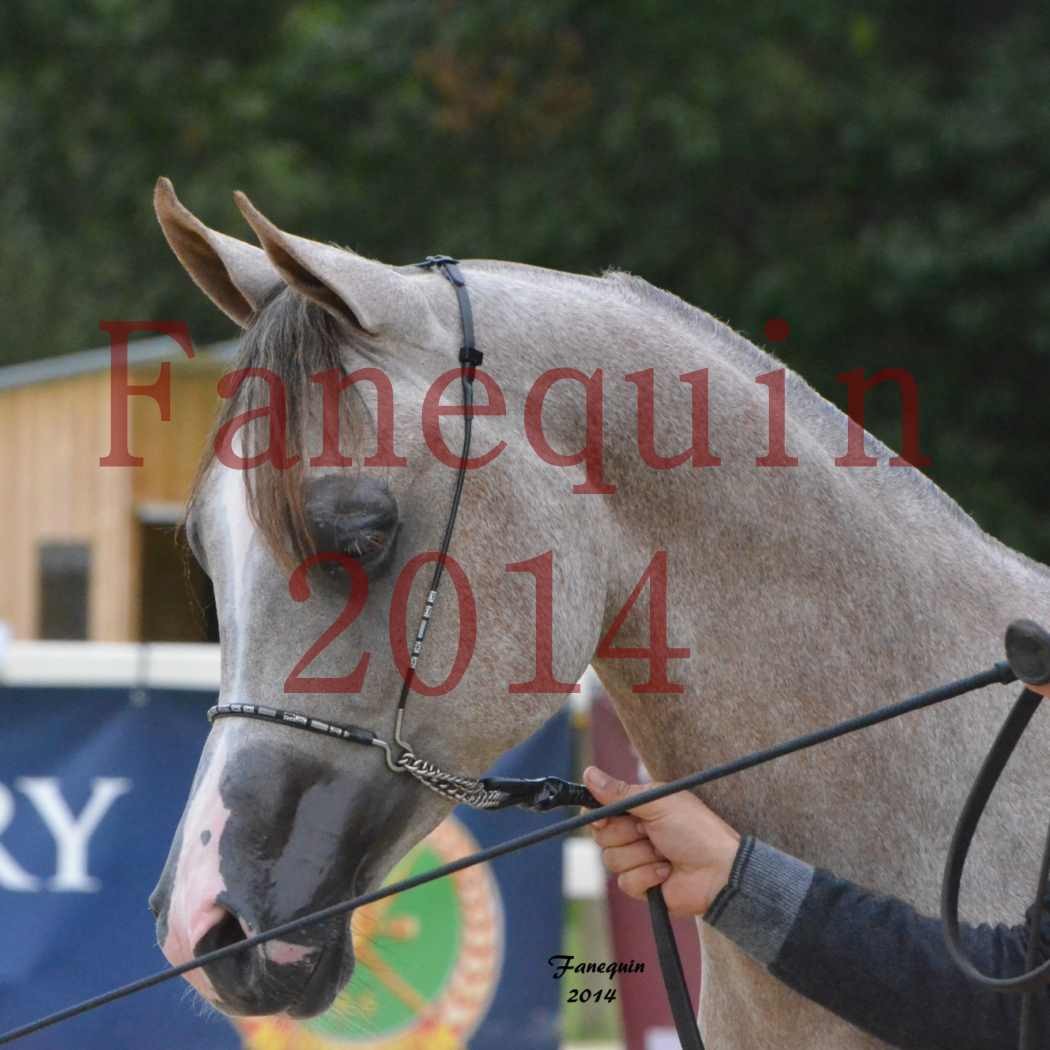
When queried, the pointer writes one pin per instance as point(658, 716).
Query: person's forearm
point(873, 960)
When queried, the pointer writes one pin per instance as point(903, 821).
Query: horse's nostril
point(225, 932)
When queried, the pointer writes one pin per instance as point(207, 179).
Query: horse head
point(316, 516)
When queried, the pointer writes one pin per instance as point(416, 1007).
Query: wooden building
point(89, 551)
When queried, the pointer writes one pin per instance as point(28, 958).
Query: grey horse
point(727, 597)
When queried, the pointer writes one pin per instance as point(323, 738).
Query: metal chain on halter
point(468, 790)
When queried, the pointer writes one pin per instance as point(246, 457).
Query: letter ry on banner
point(91, 790)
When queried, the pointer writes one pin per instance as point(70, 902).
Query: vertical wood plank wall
point(172, 450)
point(52, 488)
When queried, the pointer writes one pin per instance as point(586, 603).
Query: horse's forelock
point(294, 338)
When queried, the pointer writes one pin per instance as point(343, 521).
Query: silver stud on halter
point(421, 631)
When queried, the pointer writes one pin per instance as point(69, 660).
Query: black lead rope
point(1028, 650)
point(687, 1030)
point(1033, 976)
point(678, 997)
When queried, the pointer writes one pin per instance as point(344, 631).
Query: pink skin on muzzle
point(194, 909)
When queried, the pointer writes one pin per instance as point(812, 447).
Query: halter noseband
point(484, 793)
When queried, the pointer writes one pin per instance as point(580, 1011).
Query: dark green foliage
point(875, 174)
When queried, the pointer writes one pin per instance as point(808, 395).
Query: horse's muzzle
point(277, 977)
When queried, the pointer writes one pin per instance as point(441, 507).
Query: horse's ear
point(236, 276)
point(365, 292)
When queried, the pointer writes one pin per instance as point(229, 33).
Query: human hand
point(675, 842)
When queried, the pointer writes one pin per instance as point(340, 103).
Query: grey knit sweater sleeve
point(871, 959)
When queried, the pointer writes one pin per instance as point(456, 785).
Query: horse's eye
point(357, 517)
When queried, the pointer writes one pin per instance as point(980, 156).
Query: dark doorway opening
point(65, 588)
point(178, 604)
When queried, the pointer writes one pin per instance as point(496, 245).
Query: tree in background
point(875, 175)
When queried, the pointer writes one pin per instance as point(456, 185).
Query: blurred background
point(851, 185)
point(873, 173)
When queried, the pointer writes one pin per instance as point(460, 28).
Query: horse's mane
point(824, 414)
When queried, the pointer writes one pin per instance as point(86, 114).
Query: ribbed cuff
point(759, 904)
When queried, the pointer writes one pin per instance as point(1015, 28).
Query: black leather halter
point(487, 792)
point(484, 793)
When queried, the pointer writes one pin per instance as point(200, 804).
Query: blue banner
point(91, 789)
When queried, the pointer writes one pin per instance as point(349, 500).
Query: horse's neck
point(805, 593)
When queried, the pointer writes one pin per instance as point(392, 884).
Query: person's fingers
point(619, 859)
point(606, 789)
point(638, 881)
point(618, 831)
